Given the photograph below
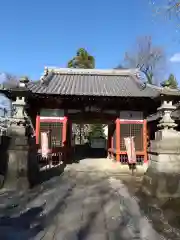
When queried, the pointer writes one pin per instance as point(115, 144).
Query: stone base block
point(160, 184)
point(16, 172)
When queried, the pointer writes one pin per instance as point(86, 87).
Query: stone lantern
point(18, 147)
point(162, 179)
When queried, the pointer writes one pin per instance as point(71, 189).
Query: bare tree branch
point(170, 9)
point(173, 7)
point(10, 81)
point(148, 58)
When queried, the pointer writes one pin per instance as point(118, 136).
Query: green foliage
point(96, 131)
point(171, 82)
point(82, 60)
point(149, 77)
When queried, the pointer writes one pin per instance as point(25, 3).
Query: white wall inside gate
point(105, 128)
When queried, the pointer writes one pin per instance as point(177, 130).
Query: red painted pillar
point(64, 131)
point(145, 140)
point(37, 128)
point(64, 139)
point(117, 139)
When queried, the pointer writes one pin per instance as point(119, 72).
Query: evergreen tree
point(82, 60)
point(96, 131)
point(171, 82)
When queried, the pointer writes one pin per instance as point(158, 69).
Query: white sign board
point(44, 144)
point(130, 148)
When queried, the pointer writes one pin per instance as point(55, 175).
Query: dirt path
point(86, 202)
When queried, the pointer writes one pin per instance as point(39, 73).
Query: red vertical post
point(108, 142)
point(117, 139)
point(64, 139)
point(37, 128)
point(145, 140)
point(64, 131)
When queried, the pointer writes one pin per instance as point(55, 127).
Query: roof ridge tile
point(106, 72)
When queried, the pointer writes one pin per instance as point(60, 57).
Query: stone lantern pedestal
point(16, 177)
point(17, 164)
point(162, 179)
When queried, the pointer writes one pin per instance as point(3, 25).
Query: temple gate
point(118, 98)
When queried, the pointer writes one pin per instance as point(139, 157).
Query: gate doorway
point(89, 135)
point(88, 144)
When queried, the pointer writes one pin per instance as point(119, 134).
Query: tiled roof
point(92, 82)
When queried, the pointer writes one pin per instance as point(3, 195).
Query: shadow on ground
point(20, 219)
point(18, 227)
point(85, 151)
point(46, 175)
point(57, 215)
point(165, 217)
point(74, 206)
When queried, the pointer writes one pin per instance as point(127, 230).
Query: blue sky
point(40, 33)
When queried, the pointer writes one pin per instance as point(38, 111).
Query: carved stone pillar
point(162, 179)
point(16, 176)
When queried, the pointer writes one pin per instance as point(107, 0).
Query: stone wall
point(4, 146)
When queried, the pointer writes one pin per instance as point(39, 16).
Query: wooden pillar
point(70, 133)
point(145, 140)
point(70, 140)
point(109, 142)
point(117, 139)
point(112, 147)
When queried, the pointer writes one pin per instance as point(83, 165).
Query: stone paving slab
point(79, 205)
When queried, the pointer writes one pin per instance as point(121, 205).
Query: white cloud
point(175, 57)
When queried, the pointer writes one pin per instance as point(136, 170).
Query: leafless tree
point(150, 59)
point(81, 131)
point(170, 9)
point(8, 81)
point(173, 6)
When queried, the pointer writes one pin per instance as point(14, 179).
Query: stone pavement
point(81, 204)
